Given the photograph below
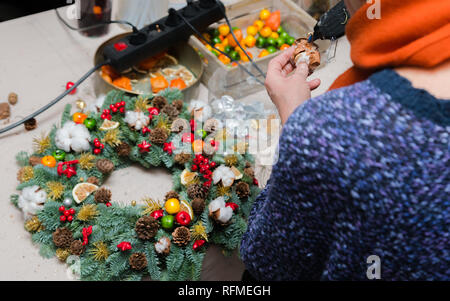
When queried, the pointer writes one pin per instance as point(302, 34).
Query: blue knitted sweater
point(363, 170)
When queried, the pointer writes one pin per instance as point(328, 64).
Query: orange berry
point(265, 32)
point(224, 59)
point(263, 53)
point(258, 24)
point(252, 30)
point(79, 117)
point(224, 30)
point(284, 47)
point(250, 41)
point(264, 14)
point(48, 161)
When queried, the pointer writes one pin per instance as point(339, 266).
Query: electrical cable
point(135, 30)
point(237, 42)
point(57, 99)
point(220, 51)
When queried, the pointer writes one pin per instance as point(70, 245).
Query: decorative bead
point(62, 209)
point(67, 202)
point(70, 85)
point(70, 218)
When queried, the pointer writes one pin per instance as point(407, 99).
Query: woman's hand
point(286, 90)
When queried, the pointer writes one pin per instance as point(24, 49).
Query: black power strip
point(163, 33)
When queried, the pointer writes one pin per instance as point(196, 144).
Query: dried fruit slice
point(237, 174)
point(184, 206)
point(82, 190)
point(187, 177)
point(109, 125)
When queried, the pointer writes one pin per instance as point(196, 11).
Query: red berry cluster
point(98, 147)
point(203, 165)
point(67, 215)
point(153, 111)
point(114, 108)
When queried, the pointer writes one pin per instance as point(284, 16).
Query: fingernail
point(303, 67)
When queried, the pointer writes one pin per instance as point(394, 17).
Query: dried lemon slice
point(109, 125)
point(237, 174)
point(187, 177)
point(184, 206)
point(82, 190)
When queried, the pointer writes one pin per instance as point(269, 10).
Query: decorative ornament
point(68, 168)
point(62, 237)
point(157, 214)
point(159, 102)
point(102, 195)
point(198, 231)
point(145, 130)
point(31, 200)
point(67, 202)
point(219, 212)
point(100, 251)
point(171, 112)
point(181, 236)
point(150, 206)
point(196, 191)
point(82, 190)
point(158, 136)
point(79, 117)
point(182, 158)
point(59, 155)
point(162, 246)
point(55, 189)
point(188, 177)
point(48, 161)
point(198, 244)
point(87, 212)
point(74, 137)
point(153, 111)
point(109, 125)
point(144, 146)
point(137, 261)
point(25, 174)
point(183, 218)
point(98, 147)
point(13, 98)
point(231, 160)
point(90, 123)
point(34, 225)
point(146, 227)
point(179, 125)
point(112, 137)
point(167, 222)
point(242, 190)
point(62, 254)
point(224, 174)
point(41, 144)
point(232, 205)
point(171, 195)
point(69, 85)
point(169, 148)
point(30, 124)
point(86, 161)
point(105, 166)
point(86, 232)
point(124, 246)
point(81, 104)
point(172, 206)
point(306, 52)
point(66, 214)
point(123, 149)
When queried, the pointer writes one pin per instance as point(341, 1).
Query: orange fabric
point(409, 33)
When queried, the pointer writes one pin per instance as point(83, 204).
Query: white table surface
point(38, 56)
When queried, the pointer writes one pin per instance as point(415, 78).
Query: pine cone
point(62, 237)
point(77, 248)
point(196, 191)
point(211, 125)
point(93, 180)
point(172, 195)
point(34, 160)
point(159, 102)
point(123, 149)
point(105, 166)
point(178, 104)
point(198, 205)
point(179, 125)
point(182, 158)
point(146, 227)
point(138, 261)
point(248, 170)
point(158, 136)
point(30, 124)
point(102, 195)
point(242, 190)
point(181, 236)
point(171, 111)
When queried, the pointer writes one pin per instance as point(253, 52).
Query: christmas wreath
point(72, 216)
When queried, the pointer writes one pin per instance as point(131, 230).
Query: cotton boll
point(225, 215)
point(136, 119)
point(219, 212)
point(97, 104)
point(217, 204)
point(74, 137)
point(224, 174)
point(162, 246)
point(31, 200)
point(302, 58)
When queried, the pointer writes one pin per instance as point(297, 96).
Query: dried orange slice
point(184, 206)
point(187, 177)
point(82, 190)
point(109, 125)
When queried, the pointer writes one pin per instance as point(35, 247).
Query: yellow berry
point(224, 30)
point(264, 14)
point(274, 35)
point(265, 32)
point(252, 30)
point(172, 206)
point(259, 24)
point(250, 41)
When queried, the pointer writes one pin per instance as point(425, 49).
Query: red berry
point(97, 151)
point(106, 111)
point(212, 164)
point(108, 204)
point(213, 143)
point(62, 208)
point(109, 117)
point(255, 181)
point(62, 218)
point(122, 103)
point(72, 211)
point(96, 140)
point(103, 116)
point(117, 105)
point(70, 85)
point(114, 110)
point(70, 218)
point(66, 212)
point(111, 107)
point(122, 110)
point(194, 167)
point(102, 146)
point(97, 144)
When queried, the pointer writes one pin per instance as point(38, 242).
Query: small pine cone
point(146, 227)
point(211, 125)
point(102, 195)
point(159, 102)
point(242, 190)
point(181, 236)
point(123, 149)
point(178, 104)
point(196, 191)
point(172, 195)
point(30, 124)
point(171, 111)
point(105, 166)
point(198, 205)
point(93, 180)
point(249, 171)
point(34, 160)
point(62, 237)
point(138, 261)
point(182, 158)
point(179, 125)
point(77, 248)
point(158, 136)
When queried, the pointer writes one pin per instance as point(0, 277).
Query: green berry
point(167, 222)
point(271, 41)
point(271, 49)
point(290, 40)
point(261, 42)
point(90, 123)
point(59, 155)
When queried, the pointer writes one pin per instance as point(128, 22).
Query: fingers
point(302, 71)
point(288, 68)
point(314, 84)
point(277, 64)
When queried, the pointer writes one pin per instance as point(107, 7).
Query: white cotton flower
point(74, 137)
point(219, 211)
point(136, 119)
point(224, 174)
point(201, 110)
point(97, 104)
point(31, 200)
point(302, 58)
point(162, 244)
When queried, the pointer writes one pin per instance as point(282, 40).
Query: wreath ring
point(71, 216)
